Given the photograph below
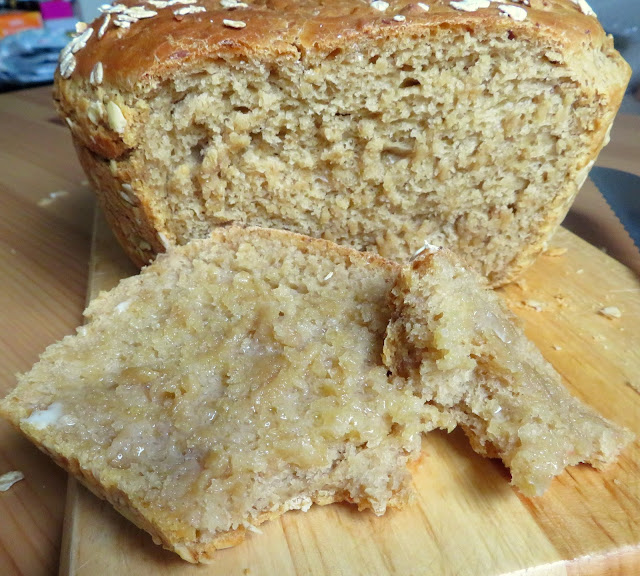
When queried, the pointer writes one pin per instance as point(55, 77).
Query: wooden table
point(46, 215)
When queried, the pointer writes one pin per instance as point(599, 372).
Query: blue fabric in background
point(622, 192)
point(621, 18)
point(30, 56)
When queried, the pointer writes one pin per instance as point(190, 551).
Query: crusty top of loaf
point(156, 47)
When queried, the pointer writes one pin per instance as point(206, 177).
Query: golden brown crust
point(131, 219)
point(159, 46)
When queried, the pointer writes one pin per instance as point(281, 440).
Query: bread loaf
point(469, 124)
point(248, 374)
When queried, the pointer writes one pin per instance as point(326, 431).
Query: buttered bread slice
point(242, 376)
point(233, 380)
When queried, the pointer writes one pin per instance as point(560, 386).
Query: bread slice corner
point(455, 342)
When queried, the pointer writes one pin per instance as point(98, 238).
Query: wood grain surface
point(466, 518)
point(44, 252)
point(44, 256)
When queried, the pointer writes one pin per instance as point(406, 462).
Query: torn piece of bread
point(373, 124)
point(243, 376)
point(233, 380)
point(462, 351)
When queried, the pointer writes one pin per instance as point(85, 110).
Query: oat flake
point(380, 5)
point(9, 479)
point(537, 306)
point(189, 10)
point(234, 23)
point(584, 7)
point(97, 74)
point(470, 5)
point(103, 27)
point(610, 312)
point(115, 117)
point(514, 12)
point(231, 4)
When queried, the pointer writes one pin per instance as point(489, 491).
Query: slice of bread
point(245, 375)
point(233, 380)
point(378, 125)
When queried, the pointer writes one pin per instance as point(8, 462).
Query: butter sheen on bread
point(260, 371)
point(374, 128)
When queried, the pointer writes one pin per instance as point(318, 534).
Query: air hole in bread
point(409, 82)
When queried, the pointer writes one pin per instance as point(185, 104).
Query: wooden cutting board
point(466, 519)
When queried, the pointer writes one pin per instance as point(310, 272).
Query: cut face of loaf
point(468, 129)
point(248, 374)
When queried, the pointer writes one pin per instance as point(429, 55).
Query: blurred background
point(621, 18)
point(32, 33)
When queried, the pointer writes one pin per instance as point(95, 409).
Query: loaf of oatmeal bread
point(469, 124)
point(248, 374)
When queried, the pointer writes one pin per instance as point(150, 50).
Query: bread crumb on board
point(522, 284)
point(561, 300)
point(9, 479)
point(52, 197)
point(610, 312)
point(535, 304)
point(555, 252)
